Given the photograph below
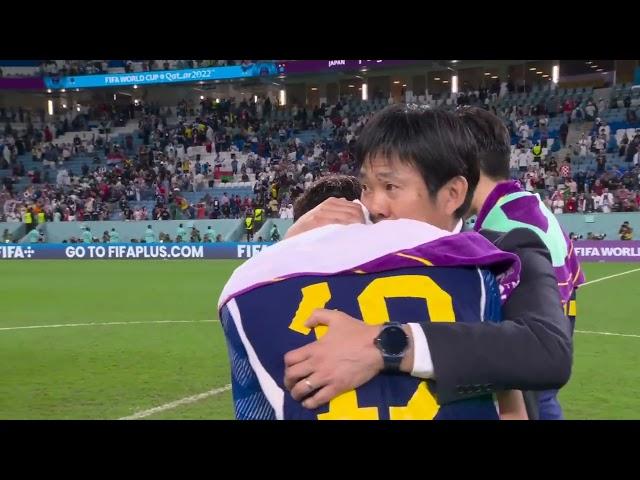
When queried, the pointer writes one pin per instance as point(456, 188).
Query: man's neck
point(484, 188)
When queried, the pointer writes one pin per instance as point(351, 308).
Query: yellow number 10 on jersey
point(372, 302)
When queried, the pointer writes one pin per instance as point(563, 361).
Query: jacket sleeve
point(531, 349)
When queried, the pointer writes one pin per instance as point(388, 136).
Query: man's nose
point(379, 208)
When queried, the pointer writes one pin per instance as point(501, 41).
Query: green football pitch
point(141, 339)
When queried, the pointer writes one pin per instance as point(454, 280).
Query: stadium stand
point(576, 147)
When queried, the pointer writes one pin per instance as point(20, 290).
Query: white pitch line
point(608, 333)
point(177, 403)
point(610, 276)
point(600, 280)
point(30, 327)
point(211, 393)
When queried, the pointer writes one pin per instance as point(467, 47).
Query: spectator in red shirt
point(571, 205)
point(598, 188)
point(565, 170)
point(201, 214)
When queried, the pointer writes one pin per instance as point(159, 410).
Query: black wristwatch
point(392, 343)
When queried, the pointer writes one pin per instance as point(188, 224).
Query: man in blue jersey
point(531, 350)
point(398, 268)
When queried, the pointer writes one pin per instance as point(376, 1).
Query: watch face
point(393, 340)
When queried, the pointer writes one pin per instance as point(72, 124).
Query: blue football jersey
point(263, 324)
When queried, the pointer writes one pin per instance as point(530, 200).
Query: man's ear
point(453, 194)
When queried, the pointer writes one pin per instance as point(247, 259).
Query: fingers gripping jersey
point(263, 324)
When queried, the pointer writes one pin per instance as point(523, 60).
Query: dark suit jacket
point(530, 350)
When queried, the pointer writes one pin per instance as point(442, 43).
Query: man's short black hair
point(493, 139)
point(434, 140)
point(338, 186)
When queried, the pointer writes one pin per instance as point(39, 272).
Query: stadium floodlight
point(50, 107)
point(365, 92)
point(454, 84)
point(283, 97)
point(555, 73)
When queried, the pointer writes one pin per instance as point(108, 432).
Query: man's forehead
point(384, 166)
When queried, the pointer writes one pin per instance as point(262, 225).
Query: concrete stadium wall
point(598, 223)
point(16, 230)
point(233, 230)
point(56, 232)
point(265, 230)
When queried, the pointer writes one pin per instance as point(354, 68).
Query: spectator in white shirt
point(557, 202)
point(524, 160)
point(597, 202)
point(289, 212)
point(523, 130)
point(606, 201)
point(572, 185)
point(513, 160)
point(584, 145)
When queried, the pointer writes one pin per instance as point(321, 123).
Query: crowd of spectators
point(152, 174)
